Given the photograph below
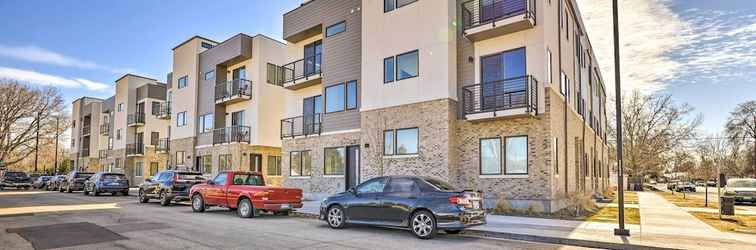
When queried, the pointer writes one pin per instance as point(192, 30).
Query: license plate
point(285, 206)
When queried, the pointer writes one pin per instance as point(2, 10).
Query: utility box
point(727, 205)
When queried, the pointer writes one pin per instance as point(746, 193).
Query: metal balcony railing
point(479, 12)
point(301, 125)
point(135, 149)
point(85, 130)
point(240, 134)
point(104, 129)
point(304, 68)
point(163, 145)
point(103, 154)
point(231, 89)
point(136, 118)
point(85, 151)
point(164, 111)
point(511, 93)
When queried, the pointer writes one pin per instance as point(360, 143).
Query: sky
point(701, 52)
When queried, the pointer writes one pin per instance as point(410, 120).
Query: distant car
point(54, 183)
point(41, 182)
point(422, 204)
point(743, 189)
point(105, 182)
point(700, 183)
point(685, 186)
point(652, 182)
point(671, 185)
point(74, 181)
point(711, 183)
point(15, 179)
point(246, 192)
point(168, 186)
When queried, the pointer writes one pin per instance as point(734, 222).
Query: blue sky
point(700, 51)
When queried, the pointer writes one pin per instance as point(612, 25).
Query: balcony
point(104, 154)
point(163, 146)
point(483, 19)
point(85, 130)
point(134, 149)
point(104, 129)
point(233, 91)
point(301, 126)
point(235, 134)
point(513, 97)
point(302, 73)
point(164, 111)
point(136, 119)
point(84, 151)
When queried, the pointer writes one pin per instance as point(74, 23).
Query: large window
point(351, 94)
point(274, 165)
point(210, 75)
point(342, 96)
point(490, 156)
point(179, 157)
point(335, 161)
point(336, 28)
point(401, 141)
point(300, 163)
point(153, 168)
point(388, 69)
point(155, 106)
point(224, 162)
point(181, 119)
point(516, 155)
point(206, 162)
point(407, 65)
point(500, 66)
point(138, 169)
point(182, 82)
point(205, 123)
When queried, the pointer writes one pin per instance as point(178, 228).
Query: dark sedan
point(424, 205)
point(168, 186)
point(75, 181)
point(104, 182)
point(17, 180)
point(54, 182)
point(41, 182)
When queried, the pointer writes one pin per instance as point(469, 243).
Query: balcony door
point(312, 58)
point(140, 108)
point(139, 138)
point(311, 114)
point(503, 79)
point(240, 73)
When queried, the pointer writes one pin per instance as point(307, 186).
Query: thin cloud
point(33, 77)
point(44, 56)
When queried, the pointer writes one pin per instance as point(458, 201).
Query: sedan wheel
point(336, 217)
point(142, 197)
point(198, 204)
point(245, 209)
point(423, 225)
point(164, 200)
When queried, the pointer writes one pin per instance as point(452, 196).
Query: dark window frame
point(395, 5)
point(186, 82)
point(396, 65)
point(301, 163)
point(527, 154)
point(345, 160)
point(396, 141)
point(393, 69)
point(208, 73)
point(501, 154)
point(393, 142)
point(343, 22)
point(346, 97)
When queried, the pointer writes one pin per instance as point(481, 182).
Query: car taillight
point(459, 200)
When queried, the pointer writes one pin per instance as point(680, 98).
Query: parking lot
point(45, 220)
point(712, 191)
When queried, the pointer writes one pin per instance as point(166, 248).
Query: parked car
point(54, 182)
point(711, 183)
point(246, 192)
point(685, 186)
point(74, 181)
point(106, 182)
point(15, 179)
point(41, 182)
point(743, 189)
point(671, 185)
point(700, 183)
point(422, 204)
point(168, 186)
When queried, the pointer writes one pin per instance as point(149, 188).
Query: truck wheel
point(198, 204)
point(164, 200)
point(142, 197)
point(246, 210)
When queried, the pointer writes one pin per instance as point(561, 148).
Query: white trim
point(401, 156)
point(504, 176)
point(298, 177)
point(333, 176)
point(341, 132)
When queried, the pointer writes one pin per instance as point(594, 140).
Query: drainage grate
point(65, 235)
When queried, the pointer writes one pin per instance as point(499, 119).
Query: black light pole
point(618, 103)
point(36, 144)
point(55, 168)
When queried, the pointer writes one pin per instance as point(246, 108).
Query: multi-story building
point(223, 115)
point(85, 133)
point(502, 96)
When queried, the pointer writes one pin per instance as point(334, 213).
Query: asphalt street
point(51, 220)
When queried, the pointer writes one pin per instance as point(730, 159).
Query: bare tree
point(741, 127)
point(21, 108)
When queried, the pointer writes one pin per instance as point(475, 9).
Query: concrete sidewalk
point(663, 225)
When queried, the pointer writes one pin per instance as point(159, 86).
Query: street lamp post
point(36, 144)
point(55, 168)
point(618, 103)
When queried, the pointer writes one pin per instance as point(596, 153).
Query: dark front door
point(255, 163)
point(352, 167)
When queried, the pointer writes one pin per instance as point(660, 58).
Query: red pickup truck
point(246, 193)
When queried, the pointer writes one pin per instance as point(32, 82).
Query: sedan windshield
point(248, 179)
point(741, 183)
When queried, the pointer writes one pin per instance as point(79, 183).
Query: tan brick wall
point(186, 145)
point(240, 158)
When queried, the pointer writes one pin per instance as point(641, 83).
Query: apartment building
point(501, 96)
point(85, 133)
point(222, 115)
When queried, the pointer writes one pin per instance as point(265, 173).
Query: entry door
point(255, 163)
point(352, 167)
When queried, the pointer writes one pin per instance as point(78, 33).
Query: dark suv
point(75, 181)
point(105, 182)
point(169, 185)
point(15, 180)
point(422, 204)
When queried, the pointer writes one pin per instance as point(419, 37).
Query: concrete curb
point(556, 240)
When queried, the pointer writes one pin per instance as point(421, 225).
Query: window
point(274, 74)
point(182, 82)
point(407, 65)
point(335, 161)
point(388, 69)
point(274, 165)
point(210, 75)
point(388, 142)
point(181, 119)
point(548, 66)
point(154, 138)
point(118, 134)
point(155, 108)
point(389, 5)
point(402, 185)
point(205, 123)
point(224, 162)
point(110, 143)
point(336, 28)
point(120, 107)
point(237, 118)
point(351, 94)
point(118, 162)
point(73, 124)
point(220, 179)
point(153, 168)
point(335, 98)
point(372, 186)
point(207, 45)
point(138, 169)
point(179, 157)
point(567, 25)
point(516, 155)
point(206, 164)
point(400, 141)
point(300, 163)
point(490, 156)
